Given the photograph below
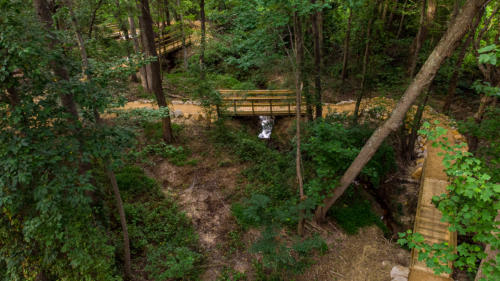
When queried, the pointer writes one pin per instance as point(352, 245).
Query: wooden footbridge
point(165, 43)
point(171, 42)
point(259, 103)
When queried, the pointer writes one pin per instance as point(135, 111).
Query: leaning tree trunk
point(317, 62)
point(109, 171)
point(346, 47)
point(137, 49)
point(154, 67)
point(422, 80)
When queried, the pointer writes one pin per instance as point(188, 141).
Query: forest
point(250, 140)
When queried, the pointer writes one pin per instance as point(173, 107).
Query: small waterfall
point(267, 126)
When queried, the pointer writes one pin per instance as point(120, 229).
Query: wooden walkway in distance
point(170, 42)
point(164, 43)
point(259, 103)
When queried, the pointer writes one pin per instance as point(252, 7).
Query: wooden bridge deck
point(428, 218)
point(259, 103)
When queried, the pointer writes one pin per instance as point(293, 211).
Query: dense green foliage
point(59, 217)
point(329, 148)
point(159, 232)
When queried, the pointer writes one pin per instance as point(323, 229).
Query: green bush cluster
point(328, 150)
point(176, 155)
point(158, 230)
point(153, 130)
point(353, 212)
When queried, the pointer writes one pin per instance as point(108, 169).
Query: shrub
point(153, 131)
point(133, 182)
point(329, 149)
point(353, 212)
point(175, 155)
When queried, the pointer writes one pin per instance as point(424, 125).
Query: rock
point(399, 273)
point(199, 117)
point(178, 113)
point(420, 161)
point(187, 115)
point(417, 173)
point(177, 102)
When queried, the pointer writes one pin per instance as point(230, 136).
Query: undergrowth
point(271, 199)
point(162, 239)
point(353, 212)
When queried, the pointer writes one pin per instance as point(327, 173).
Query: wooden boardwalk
point(428, 218)
point(259, 103)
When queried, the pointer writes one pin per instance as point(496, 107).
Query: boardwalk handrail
point(258, 102)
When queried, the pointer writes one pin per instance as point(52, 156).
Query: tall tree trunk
point(458, 64)
point(93, 16)
point(45, 18)
point(183, 35)
point(154, 66)
point(167, 12)
point(145, 43)
point(137, 49)
point(365, 68)
point(203, 37)
point(417, 120)
point(317, 62)
point(109, 171)
point(384, 11)
point(403, 13)
point(123, 221)
point(392, 7)
point(346, 47)
point(427, 15)
point(299, 59)
point(445, 47)
point(124, 29)
point(417, 42)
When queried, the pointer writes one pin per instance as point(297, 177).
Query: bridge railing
point(170, 41)
point(259, 102)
